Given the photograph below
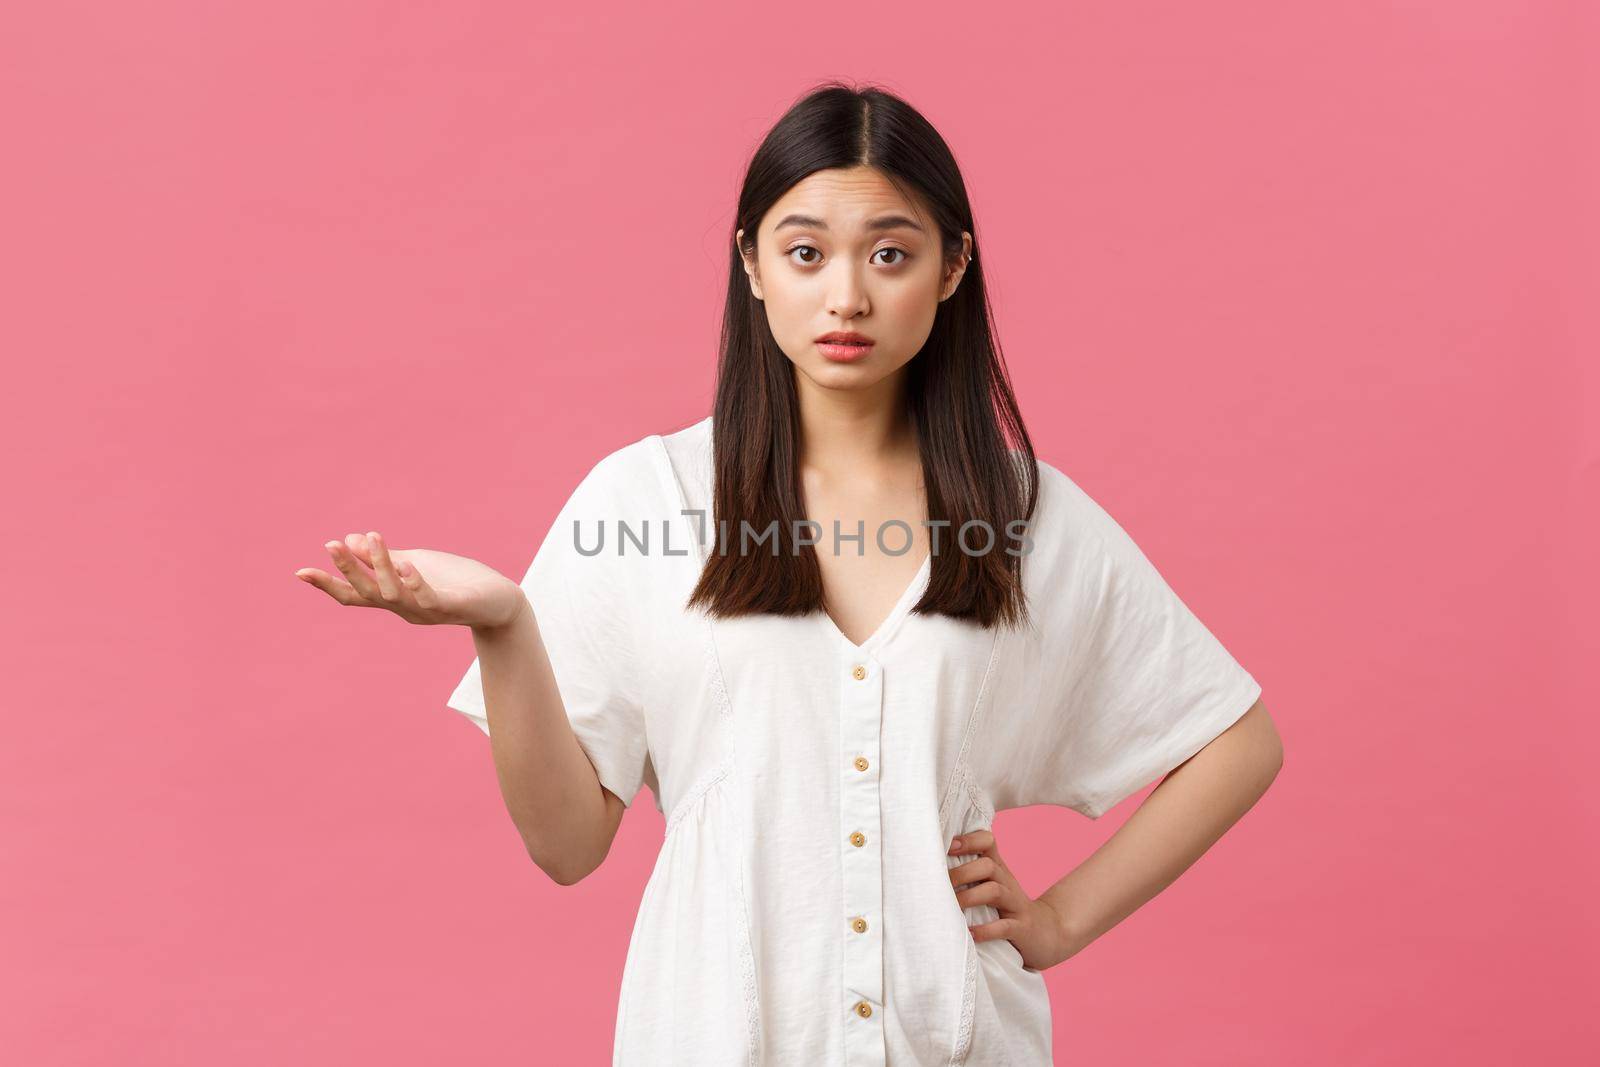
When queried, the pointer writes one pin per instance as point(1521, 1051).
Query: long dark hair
point(977, 460)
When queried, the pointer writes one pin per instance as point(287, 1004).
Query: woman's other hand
point(1034, 927)
point(418, 584)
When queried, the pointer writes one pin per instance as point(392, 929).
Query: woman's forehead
point(844, 200)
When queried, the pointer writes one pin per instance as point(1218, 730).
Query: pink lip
point(844, 353)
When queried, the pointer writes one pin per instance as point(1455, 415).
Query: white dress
point(800, 910)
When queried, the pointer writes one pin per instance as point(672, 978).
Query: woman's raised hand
point(419, 585)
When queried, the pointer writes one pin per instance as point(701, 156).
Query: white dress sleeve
point(1127, 683)
point(585, 619)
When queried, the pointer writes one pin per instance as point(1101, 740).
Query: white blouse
point(801, 910)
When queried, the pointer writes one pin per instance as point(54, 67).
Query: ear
point(751, 269)
point(956, 268)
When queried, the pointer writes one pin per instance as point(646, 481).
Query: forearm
point(550, 787)
point(1181, 818)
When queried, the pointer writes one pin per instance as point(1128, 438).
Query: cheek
point(788, 303)
point(911, 311)
point(911, 307)
point(792, 312)
point(915, 299)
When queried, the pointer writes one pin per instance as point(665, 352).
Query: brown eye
point(898, 251)
point(804, 248)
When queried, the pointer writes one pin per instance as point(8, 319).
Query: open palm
point(421, 585)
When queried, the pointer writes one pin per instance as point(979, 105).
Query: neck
point(855, 430)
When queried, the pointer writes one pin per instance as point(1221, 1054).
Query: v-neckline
point(909, 597)
point(675, 489)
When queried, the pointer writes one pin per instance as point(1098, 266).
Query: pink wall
point(1304, 295)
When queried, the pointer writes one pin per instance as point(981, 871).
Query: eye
point(815, 255)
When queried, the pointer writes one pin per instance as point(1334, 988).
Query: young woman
point(835, 626)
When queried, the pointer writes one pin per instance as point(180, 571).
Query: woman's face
point(844, 251)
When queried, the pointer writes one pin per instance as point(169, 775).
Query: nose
point(847, 291)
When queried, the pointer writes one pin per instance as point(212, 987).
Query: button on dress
point(800, 910)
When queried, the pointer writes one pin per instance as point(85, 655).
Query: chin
point(847, 377)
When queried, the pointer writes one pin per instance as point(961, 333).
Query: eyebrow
point(882, 222)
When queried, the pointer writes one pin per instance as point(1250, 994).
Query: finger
point(357, 544)
point(412, 579)
point(1002, 896)
point(982, 893)
point(340, 591)
point(995, 930)
point(354, 571)
point(389, 586)
point(973, 841)
point(979, 870)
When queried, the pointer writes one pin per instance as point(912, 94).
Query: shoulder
point(1065, 512)
point(689, 450)
point(695, 435)
point(1079, 550)
point(625, 469)
point(635, 473)
point(640, 464)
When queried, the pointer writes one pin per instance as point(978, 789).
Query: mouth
point(844, 347)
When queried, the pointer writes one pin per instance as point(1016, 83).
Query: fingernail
point(955, 845)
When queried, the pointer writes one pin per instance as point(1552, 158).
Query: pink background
point(1303, 294)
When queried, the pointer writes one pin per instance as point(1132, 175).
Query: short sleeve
point(1126, 682)
point(585, 619)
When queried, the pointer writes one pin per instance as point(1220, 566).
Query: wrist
point(1069, 932)
point(520, 611)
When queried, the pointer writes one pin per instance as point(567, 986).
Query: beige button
point(859, 925)
point(861, 763)
point(858, 839)
point(858, 672)
point(863, 1009)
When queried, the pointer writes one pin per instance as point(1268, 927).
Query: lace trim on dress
point(747, 963)
point(961, 786)
point(959, 774)
point(752, 1008)
point(696, 791)
point(969, 1004)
